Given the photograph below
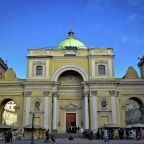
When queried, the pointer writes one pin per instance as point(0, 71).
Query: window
point(39, 70)
point(101, 70)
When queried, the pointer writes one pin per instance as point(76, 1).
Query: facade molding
point(70, 68)
point(69, 87)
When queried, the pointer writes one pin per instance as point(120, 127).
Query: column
point(86, 111)
point(55, 97)
point(27, 108)
point(94, 109)
point(46, 108)
point(113, 106)
point(122, 118)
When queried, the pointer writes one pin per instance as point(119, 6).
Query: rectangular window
point(101, 70)
point(39, 70)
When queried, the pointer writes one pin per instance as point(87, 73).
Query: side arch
point(69, 68)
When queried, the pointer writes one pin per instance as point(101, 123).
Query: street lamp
point(32, 138)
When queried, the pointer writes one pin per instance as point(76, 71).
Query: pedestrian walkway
point(78, 141)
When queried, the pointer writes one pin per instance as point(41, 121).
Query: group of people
point(49, 137)
point(73, 129)
point(8, 136)
point(118, 134)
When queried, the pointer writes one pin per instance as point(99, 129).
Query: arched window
point(39, 70)
point(101, 70)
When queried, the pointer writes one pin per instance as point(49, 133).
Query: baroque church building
point(69, 86)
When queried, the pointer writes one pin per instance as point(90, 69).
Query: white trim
point(86, 113)
point(46, 113)
point(95, 115)
point(113, 108)
point(54, 116)
point(30, 69)
point(27, 112)
point(93, 68)
point(67, 68)
point(47, 69)
point(110, 68)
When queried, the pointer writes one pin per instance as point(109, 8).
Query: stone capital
point(55, 94)
point(85, 95)
point(94, 92)
point(27, 93)
point(46, 93)
point(113, 92)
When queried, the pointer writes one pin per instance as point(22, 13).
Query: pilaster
point(27, 94)
point(46, 108)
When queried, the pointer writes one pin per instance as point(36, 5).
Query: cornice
point(115, 82)
point(69, 87)
point(31, 83)
point(39, 56)
point(10, 84)
point(28, 83)
point(91, 82)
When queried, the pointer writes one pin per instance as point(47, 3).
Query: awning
point(29, 126)
point(140, 125)
point(111, 125)
point(7, 127)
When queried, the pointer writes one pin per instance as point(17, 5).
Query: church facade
point(70, 86)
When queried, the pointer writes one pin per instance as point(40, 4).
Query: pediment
point(10, 75)
point(70, 107)
point(131, 74)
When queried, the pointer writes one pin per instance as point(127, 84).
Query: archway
point(70, 68)
point(133, 113)
point(8, 113)
point(70, 91)
point(70, 77)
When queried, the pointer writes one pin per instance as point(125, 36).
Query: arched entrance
point(8, 113)
point(70, 91)
point(133, 113)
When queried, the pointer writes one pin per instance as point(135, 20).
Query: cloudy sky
point(117, 24)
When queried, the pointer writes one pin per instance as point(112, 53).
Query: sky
point(117, 24)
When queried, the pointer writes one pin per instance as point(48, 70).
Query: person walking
point(48, 136)
point(106, 138)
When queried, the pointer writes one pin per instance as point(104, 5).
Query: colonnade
point(86, 110)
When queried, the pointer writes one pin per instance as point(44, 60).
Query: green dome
point(71, 42)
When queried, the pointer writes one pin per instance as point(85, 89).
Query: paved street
point(79, 141)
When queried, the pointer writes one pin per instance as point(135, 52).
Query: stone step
point(66, 135)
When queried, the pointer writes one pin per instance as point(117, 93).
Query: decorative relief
point(70, 107)
point(102, 62)
point(39, 63)
point(104, 104)
point(70, 87)
point(37, 104)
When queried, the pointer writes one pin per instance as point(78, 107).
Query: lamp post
point(32, 138)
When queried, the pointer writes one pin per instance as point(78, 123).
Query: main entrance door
point(70, 122)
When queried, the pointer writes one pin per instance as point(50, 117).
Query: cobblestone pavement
point(78, 141)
